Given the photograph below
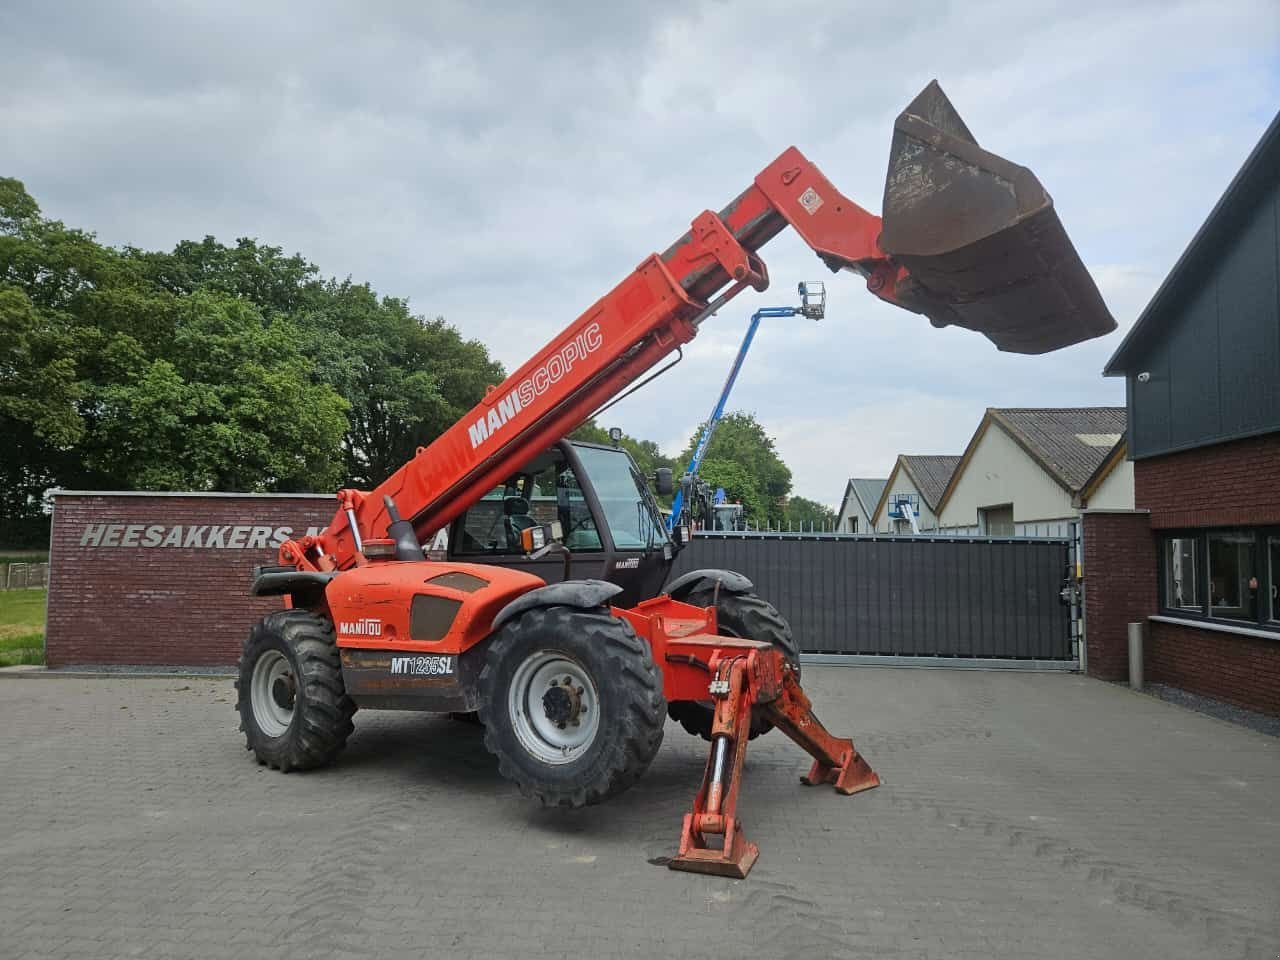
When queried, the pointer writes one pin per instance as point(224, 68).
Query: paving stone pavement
point(1022, 815)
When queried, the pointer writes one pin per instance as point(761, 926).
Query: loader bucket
point(980, 239)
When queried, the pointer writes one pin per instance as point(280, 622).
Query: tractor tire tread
point(627, 748)
point(323, 720)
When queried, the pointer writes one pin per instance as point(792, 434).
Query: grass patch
point(22, 627)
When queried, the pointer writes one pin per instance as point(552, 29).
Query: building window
point(996, 521)
point(853, 524)
point(1233, 575)
point(1181, 583)
point(1273, 578)
point(1230, 575)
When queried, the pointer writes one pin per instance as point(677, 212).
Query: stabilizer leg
point(835, 759)
point(711, 840)
point(715, 807)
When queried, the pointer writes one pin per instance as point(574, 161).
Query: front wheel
point(571, 703)
point(294, 708)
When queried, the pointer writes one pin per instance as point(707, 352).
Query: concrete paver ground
point(1022, 815)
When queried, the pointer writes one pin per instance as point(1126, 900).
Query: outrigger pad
point(980, 238)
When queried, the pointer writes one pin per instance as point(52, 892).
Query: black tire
point(320, 711)
point(738, 615)
point(627, 696)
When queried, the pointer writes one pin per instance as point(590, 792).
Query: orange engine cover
point(422, 607)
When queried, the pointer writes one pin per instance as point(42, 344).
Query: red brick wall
point(1238, 669)
point(1227, 484)
point(1221, 485)
point(126, 588)
point(1119, 587)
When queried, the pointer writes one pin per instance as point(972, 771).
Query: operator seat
point(516, 519)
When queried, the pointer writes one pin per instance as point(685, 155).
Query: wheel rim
point(554, 707)
point(273, 693)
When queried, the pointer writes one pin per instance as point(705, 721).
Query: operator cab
point(611, 524)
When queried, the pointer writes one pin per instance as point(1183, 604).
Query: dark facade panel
point(1192, 347)
point(1249, 358)
point(1215, 367)
point(1149, 416)
point(908, 596)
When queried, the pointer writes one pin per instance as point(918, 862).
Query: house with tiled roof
point(1030, 471)
point(916, 483)
point(861, 494)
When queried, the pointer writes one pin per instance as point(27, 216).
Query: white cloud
point(507, 165)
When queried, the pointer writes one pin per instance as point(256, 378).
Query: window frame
point(1267, 615)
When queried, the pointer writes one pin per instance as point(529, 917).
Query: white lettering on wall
point(188, 536)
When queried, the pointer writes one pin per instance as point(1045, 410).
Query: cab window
point(493, 526)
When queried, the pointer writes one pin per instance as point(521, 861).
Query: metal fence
point(950, 596)
point(1047, 529)
point(21, 576)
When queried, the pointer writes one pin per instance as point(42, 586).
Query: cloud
point(506, 165)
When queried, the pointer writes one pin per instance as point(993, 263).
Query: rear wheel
point(571, 703)
point(294, 708)
point(738, 615)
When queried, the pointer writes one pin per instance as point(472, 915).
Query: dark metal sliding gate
point(905, 596)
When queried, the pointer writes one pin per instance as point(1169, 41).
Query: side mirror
point(662, 482)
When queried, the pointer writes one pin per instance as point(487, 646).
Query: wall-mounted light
point(1144, 376)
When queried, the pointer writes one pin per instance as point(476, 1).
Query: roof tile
point(930, 473)
point(1066, 439)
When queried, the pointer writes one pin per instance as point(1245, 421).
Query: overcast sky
point(504, 165)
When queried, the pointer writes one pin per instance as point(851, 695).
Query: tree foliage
point(207, 367)
point(743, 460)
point(214, 367)
point(803, 513)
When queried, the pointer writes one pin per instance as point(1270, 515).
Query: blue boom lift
point(693, 500)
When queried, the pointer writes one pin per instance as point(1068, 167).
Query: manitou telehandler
point(549, 619)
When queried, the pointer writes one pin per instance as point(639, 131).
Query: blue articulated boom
point(813, 303)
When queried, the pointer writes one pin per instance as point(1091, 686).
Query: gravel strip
point(1216, 708)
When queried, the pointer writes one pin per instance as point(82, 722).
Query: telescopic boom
point(967, 239)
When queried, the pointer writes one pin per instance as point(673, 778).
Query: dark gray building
point(1202, 364)
point(1202, 374)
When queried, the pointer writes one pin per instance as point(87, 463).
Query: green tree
point(43, 270)
point(760, 482)
point(407, 379)
point(251, 271)
point(205, 367)
point(739, 487)
point(231, 407)
point(804, 513)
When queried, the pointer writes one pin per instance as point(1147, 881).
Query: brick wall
point(1238, 669)
point(1220, 485)
point(1120, 586)
point(160, 579)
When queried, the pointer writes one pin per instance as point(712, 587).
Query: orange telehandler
point(550, 620)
